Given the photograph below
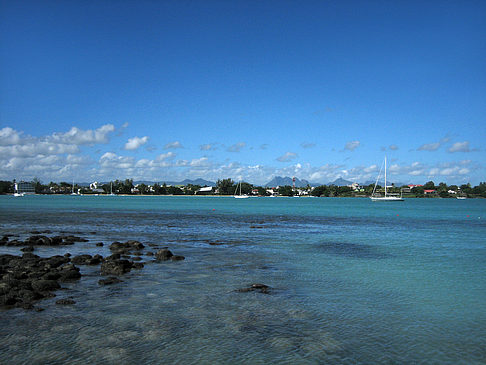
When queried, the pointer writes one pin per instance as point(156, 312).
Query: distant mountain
point(199, 181)
point(340, 182)
point(282, 181)
point(388, 183)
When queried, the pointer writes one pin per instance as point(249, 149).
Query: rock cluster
point(165, 254)
point(28, 278)
point(40, 240)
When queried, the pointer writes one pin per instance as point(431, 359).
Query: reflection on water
point(345, 287)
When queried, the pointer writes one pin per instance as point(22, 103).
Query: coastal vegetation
point(228, 187)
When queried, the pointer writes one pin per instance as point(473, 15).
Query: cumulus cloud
point(16, 144)
point(288, 156)
point(351, 146)
point(393, 147)
point(237, 147)
point(429, 147)
point(208, 147)
point(433, 146)
point(135, 142)
point(460, 147)
point(173, 145)
point(78, 136)
point(9, 137)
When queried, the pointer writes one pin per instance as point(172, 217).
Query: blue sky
point(168, 90)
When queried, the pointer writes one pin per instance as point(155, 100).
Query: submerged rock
point(261, 288)
point(109, 281)
point(116, 267)
point(66, 301)
point(87, 260)
point(163, 255)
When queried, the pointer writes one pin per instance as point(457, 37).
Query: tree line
point(228, 187)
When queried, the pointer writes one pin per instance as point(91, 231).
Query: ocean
point(351, 282)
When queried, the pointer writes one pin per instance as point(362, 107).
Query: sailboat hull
point(386, 199)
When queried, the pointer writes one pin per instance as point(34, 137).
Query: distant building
point(205, 190)
point(24, 187)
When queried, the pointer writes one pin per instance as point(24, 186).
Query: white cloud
point(9, 137)
point(165, 156)
point(208, 147)
point(288, 156)
point(135, 142)
point(78, 136)
point(351, 146)
point(199, 162)
point(460, 147)
point(393, 147)
point(429, 147)
point(237, 147)
point(173, 145)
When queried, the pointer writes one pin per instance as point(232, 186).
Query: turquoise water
point(352, 282)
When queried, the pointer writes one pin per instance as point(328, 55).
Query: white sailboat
point(239, 196)
point(73, 193)
point(386, 197)
point(17, 191)
point(111, 189)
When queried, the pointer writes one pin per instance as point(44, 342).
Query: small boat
point(387, 197)
point(17, 192)
point(111, 190)
point(73, 193)
point(239, 196)
point(461, 197)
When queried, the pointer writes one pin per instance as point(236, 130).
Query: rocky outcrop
point(126, 248)
point(260, 288)
point(28, 278)
point(41, 240)
point(87, 260)
point(109, 281)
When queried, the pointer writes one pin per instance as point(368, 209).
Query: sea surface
point(352, 282)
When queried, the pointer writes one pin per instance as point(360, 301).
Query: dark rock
point(177, 258)
point(163, 254)
point(69, 272)
point(27, 249)
point(28, 278)
point(126, 247)
point(137, 265)
point(86, 260)
point(115, 256)
point(150, 253)
point(66, 301)
point(261, 288)
point(109, 281)
point(29, 255)
point(115, 267)
point(45, 285)
point(99, 244)
point(56, 261)
point(39, 240)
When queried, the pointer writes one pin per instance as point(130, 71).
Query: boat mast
point(385, 176)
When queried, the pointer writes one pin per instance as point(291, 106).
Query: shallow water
point(352, 282)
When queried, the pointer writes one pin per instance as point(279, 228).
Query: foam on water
point(351, 282)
